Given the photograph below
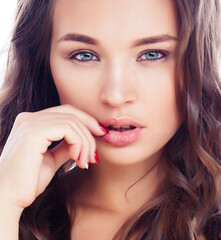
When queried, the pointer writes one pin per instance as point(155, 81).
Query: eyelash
point(73, 55)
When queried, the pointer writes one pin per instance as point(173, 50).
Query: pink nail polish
point(96, 157)
point(79, 157)
point(103, 128)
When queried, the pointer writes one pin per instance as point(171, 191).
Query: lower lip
point(123, 138)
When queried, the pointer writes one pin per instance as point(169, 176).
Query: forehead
point(118, 20)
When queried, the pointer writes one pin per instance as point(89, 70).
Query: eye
point(152, 55)
point(83, 56)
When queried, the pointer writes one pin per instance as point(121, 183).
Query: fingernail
point(103, 128)
point(79, 157)
point(96, 157)
point(87, 163)
point(87, 166)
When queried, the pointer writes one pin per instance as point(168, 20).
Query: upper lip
point(121, 121)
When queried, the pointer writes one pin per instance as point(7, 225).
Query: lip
point(122, 121)
point(122, 138)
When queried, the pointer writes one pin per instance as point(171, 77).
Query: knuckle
point(69, 128)
point(23, 119)
point(68, 107)
point(21, 116)
point(72, 121)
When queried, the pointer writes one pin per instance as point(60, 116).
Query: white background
point(7, 14)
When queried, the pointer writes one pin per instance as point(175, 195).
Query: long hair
point(28, 84)
point(190, 205)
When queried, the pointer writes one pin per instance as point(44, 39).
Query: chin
point(127, 155)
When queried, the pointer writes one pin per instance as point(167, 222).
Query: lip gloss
point(123, 138)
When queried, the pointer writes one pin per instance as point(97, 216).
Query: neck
point(122, 188)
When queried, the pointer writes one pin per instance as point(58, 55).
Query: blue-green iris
point(85, 56)
point(152, 55)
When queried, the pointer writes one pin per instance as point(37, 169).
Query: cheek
point(160, 98)
point(74, 87)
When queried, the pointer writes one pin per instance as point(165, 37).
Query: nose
point(118, 85)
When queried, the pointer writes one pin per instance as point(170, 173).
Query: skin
point(114, 83)
point(119, 81)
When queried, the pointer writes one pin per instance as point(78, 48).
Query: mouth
point(122, 131)
point(121, 128)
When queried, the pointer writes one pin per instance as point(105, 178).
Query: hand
point(26, 164)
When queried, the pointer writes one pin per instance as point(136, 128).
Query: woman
point(135, 83)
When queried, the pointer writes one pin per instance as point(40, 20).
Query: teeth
point(121, 128)
point(115, 126)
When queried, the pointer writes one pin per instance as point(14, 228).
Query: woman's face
point(116, 59)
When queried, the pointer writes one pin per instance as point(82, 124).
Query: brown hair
point(190, 205)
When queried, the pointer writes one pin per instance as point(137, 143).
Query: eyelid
point(163, 52)
point(75, 53)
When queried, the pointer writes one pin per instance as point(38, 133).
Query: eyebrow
point(79, 38)
point(144, 41)
point(154, 39)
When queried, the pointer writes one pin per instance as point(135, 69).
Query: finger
point(75, 145)
point(61, 153)
point(88, 142)
point(82, 130)
point(91, 142)
point(55, 127)
point(90, 122)
point(47, 171)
